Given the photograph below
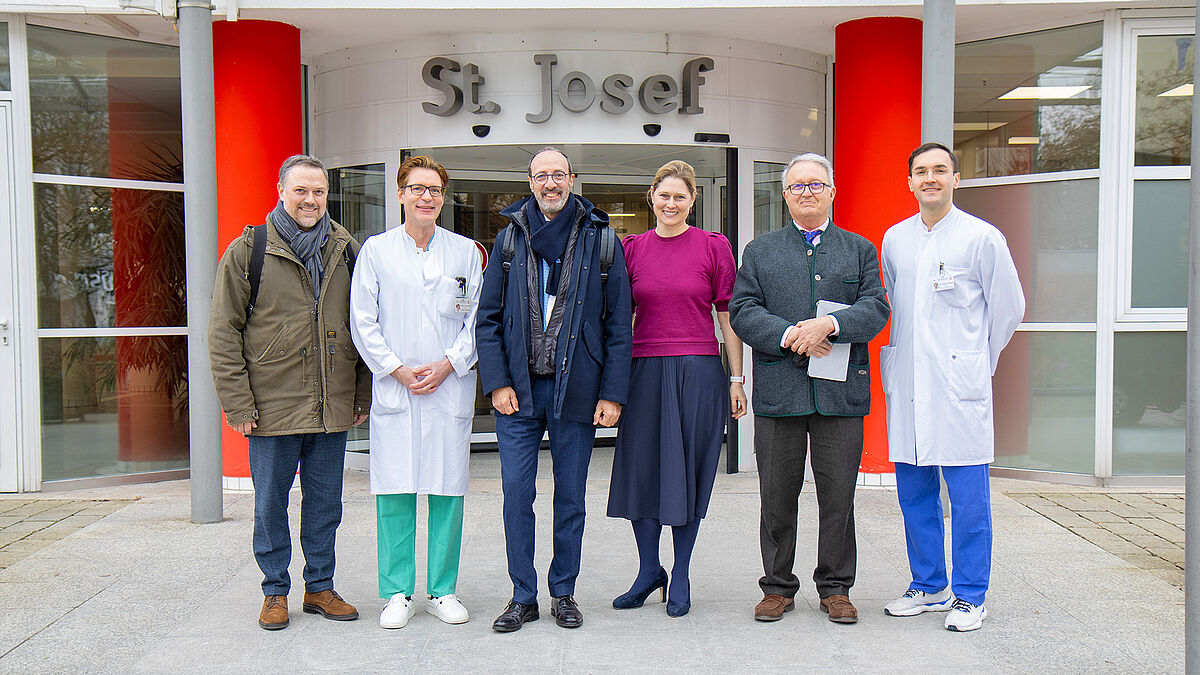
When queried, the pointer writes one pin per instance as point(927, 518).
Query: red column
point(876, 123)
point(259, 108)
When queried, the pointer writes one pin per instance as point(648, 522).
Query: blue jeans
point(970, 525)
point(518, 439)
point(273, 462)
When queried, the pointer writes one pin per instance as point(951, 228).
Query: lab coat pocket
point(389, 396)
point(957, 295)
point(887, 357)
point(465, 404)
point(969, 375)
point(452, 301)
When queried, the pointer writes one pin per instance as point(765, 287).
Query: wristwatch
point(737, 379)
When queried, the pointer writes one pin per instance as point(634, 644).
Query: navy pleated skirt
point(669, 439)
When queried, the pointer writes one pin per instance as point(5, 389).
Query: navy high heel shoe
point(637, 597)
point(677, 606)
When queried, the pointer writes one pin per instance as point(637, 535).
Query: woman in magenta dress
point(671, 431)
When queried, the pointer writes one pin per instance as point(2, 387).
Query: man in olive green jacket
point(290, 379)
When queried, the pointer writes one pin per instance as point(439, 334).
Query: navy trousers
point(970, 525)
point(518, 439)
point(273, 463)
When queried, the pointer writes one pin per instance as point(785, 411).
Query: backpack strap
point(608, 253)
point(510, 252)
point(254, 271)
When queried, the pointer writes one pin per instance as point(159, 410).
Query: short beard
point(551, 209)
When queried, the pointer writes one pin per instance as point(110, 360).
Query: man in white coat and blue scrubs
point(413, 301)
point(956, 301)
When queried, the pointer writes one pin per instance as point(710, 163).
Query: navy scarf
point(548, 238)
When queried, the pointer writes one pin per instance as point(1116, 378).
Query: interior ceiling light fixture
point(1044, 92)
point(1181, 90)
point(1024, 140)
point(978, 126)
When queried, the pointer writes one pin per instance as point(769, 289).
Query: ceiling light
point(621, 215)
point(1044, 92)
point(1024, 140)
point(1181, 90)
point(977, 126)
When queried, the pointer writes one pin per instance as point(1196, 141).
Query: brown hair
point(421, 162)
point(673, 169)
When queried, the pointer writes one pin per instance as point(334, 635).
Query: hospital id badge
point(461, 302)
point(944, 280)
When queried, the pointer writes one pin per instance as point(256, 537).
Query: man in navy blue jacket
point(555, 347)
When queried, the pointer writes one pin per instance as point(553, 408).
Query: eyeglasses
point(939, 171)
point(418, 190)
point(558, 176)
point(816, 187)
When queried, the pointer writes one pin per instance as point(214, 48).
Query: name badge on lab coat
point(944, 280)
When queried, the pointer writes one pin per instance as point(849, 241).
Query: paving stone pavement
point(30, 525)
point(1143, 528)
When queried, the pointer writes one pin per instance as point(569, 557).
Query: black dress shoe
point(565, 612)
point(514, 616)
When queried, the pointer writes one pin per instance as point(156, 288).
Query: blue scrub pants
point(970, 525)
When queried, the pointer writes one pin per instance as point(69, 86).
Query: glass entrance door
point(10, 413)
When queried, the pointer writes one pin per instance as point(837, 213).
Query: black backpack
point(608, 253)
point(259, 253)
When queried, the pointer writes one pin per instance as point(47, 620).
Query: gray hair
point(807, 157)
point(301, 160)
point(548, 148)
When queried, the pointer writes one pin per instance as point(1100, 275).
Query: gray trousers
point(780, 445)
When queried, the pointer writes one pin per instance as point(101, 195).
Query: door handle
point(3, 324)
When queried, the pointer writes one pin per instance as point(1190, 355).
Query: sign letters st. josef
point(575, 91)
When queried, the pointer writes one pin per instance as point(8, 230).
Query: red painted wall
point(259, 113)
point(876, 123)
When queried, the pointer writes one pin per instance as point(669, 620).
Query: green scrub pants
point(396, 530)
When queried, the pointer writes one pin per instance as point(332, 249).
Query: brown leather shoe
point(839, 609)
point(329, 605)
point(274, 613)
point(772, 607)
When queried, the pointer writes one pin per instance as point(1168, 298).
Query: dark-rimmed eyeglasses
point(418, 190)
point(816, 187)
point(558, 176)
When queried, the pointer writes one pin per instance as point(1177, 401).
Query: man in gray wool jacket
point(774, 310)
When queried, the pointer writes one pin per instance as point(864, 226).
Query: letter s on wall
point(431, 74)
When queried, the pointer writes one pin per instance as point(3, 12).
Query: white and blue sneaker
point(914, 602)
point(447, 608)
point(964, 616)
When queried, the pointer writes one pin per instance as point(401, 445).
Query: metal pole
point(937, 72)
point(1191, 586)
point(200, 217)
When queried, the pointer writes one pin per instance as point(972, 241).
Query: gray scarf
point(306, 244)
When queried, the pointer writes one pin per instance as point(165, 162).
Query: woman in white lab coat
point(412, 302)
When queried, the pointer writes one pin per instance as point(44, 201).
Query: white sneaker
point(964, 616)
point(397, 612)
point(913, 602)
point(447, 608)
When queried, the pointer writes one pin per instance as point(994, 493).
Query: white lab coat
point(404, 311)
point(937, 371)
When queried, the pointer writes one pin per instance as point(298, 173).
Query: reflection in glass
point(1163, 119)
point(357, 197)
point(1051, 229)
point(770, 212)
point(104, 107)
point(113, 405)
point(626, 206)
point(109, 257)
point(474, 207)
point(1052, 123)
point(1149, 385)
point(1160, 243)
point(1044, 394)
point(5, 61)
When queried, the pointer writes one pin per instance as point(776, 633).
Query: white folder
point(833, 365)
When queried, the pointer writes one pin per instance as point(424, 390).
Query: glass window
point(113, 405)
point(1029, 103)
point(109, 257)
point(1045, 402)
point(1163, 133)
point(770, 212)
point(5, 61)
point(476, 206)
point(1051, 229)
point(1149, 384)
point(1160, 243)
point(357, 199)
point(626, 206)
point(104, 107)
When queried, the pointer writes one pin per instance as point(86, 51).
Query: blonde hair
point(673, 169)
